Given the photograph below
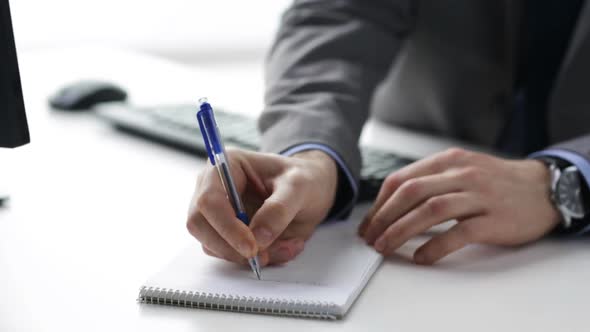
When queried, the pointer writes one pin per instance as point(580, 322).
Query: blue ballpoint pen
point(216, 152)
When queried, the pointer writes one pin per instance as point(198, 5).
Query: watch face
point(569, 192)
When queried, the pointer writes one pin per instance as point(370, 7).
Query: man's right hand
point(285, 197)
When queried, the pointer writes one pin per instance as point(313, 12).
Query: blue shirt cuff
point(575, 159)
point(343, 168)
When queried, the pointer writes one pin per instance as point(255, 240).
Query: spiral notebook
point(322, 282)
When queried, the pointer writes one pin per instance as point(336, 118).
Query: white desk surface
point(95, 212)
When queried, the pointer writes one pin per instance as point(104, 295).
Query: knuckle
point(481, 158)
point(403, 231)
point(456, 152)
point(411, 188)
point(472, 174)
point(437, 205)
point(454, 155)
point(192, 226)
point(279, 208)
point(235, 155)
point(298, 179)
point(391, 182)
point(377, 221)
point(398, 232)
point(209, 199)
point(202, 200)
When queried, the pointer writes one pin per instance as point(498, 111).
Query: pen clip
point(205, 134)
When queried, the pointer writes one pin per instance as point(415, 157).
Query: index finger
point(277, 212)
point(214, 205)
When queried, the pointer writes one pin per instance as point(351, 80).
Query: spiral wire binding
point(223, 302)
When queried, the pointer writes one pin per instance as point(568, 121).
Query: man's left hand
point(495, 201)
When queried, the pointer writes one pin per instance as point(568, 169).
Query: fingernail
point(298, 245)
point(263, 236)
point(245, 249)
point(380, 245)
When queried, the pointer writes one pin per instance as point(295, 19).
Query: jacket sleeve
point(322, 70)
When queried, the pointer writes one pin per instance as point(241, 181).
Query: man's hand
point(495, 201)
point(285, 197)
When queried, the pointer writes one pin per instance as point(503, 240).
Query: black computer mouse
point(83, 95)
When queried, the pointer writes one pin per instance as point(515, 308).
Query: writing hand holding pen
point(286, 198)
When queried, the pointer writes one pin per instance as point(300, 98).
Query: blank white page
point(333, 268)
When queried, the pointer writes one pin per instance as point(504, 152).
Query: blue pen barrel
point(228, 182)
point(205, 115)
point(243, 217)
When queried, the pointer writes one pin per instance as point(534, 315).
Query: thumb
point(276, 213)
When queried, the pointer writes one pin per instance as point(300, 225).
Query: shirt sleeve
point(575, 159)
point(347, 191)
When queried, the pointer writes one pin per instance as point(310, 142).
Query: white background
point(193, 31)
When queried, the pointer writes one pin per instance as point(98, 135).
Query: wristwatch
point(567, 192)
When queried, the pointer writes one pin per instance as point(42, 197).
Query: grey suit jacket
point(447, 67)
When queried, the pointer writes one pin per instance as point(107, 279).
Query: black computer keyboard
point(176, 126)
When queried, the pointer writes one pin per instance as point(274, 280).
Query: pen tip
point(255, 267)
point(202, 100)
